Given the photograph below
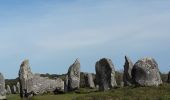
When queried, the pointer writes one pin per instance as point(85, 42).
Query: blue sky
point(53, 33)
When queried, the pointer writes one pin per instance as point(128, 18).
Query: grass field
point(126, 93)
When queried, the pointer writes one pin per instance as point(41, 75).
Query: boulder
point(26, 80)
point(14, 89)
point(2, 87)
point(74, 76)
point(8, 89)
point(146, 73)
point(105, 74)
point(127, 77)
point(43, 85)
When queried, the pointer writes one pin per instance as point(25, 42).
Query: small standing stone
point(8, 89)
point(168, 78)
point(127, 77)
point(74, 76)
point(18, 87)
point(14, 89)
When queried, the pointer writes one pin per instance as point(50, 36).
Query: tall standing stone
point(105, 74)
point(146, 73)
point(127, 77)
point(8, 89)
point(18, 87)
point(25, 79)
point(2, 87)
point(74, 76)
point(14, 89)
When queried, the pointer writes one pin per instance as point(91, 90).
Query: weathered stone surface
point(33, 84)
point(89, 80)
point(86, 80)
point(105, 74)
point(74, 76)
point(127, 77)
point(66, 84)
point(14, 89)
point(146, 73)
point(2, 87)
point(25, 79)
point(18, 87)
point(44, 85)
point(8, 89)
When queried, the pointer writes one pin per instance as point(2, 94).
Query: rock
point(14, 89)
point(168, 78)
point(33, 84)
point(74, 76)
point(2, 87)
point(18, 87)
point(105, 74)
point(127, 77)
point(89, 80)
point(146, 73)
point(66, 84)
point(43, 85)
point(8, 89)
point(26, 80)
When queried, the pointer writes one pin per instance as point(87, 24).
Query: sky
point(52, 34)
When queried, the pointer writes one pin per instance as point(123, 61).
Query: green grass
point(126, 93)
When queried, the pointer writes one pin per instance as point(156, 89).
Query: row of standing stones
point(144, 72)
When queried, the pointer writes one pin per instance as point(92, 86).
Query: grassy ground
point(126, 93)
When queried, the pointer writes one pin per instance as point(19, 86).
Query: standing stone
point(74, 76)
point(14, 89)
point(146, 73)
point(18, 87)
point(89, 81)
point(8, 89)
point(2, 87)
point(127, 77)
point(168, 78)
point(66, 84)
point(105, 74)
point(25, 79)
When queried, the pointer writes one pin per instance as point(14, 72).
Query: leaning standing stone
point(146, 73)
point(127, 77)
point(105, 74)
point(168, 78)
point(2, 87)
point(74, 76)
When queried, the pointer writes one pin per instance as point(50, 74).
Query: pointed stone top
point(25, 62)
point(77, 60)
